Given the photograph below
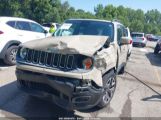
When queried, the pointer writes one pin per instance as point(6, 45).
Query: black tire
point(128, 55)
point(109, 85)
point(156, 49)
point(122, 70)
point(10, 56)
point(143, 45)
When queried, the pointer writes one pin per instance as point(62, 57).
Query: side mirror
point(45, 31)
point(125, 40)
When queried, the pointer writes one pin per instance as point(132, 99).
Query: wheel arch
point(9, 44)
point(114, 68)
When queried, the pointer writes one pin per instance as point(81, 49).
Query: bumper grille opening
point(39, 87)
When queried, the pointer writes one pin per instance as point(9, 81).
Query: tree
point(10, 8)
point(136, 26)
point(55, 11)
point(148, 28)
point(99, 11)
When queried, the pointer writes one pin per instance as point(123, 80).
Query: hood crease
point(79, 44)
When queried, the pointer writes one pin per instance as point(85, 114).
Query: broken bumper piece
point(67, 93)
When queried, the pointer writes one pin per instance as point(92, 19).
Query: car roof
point(4, 19)
point(114, 22)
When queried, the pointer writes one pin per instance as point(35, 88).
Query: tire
point(128, 56)
point(10, 56)
point(109, 85)
point(143, 45)
point(122, 70)
point(156, 49)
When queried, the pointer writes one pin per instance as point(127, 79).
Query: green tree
point(10, 8)
point(136, 26)
point(99, 11)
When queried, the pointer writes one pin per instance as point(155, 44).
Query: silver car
point(139, 39)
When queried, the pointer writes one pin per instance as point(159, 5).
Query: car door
point(123, 48)
point(38, 30)
point(24, 32)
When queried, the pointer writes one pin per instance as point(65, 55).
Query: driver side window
point(120, 33)
point(36, 28)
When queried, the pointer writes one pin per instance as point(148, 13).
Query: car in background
point(131, 42)
point(48, 25)
point(152, 37)
point(157, 47)
point(14, 31)
point(138, 39)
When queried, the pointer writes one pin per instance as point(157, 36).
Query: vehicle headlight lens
point(87, 63)
point(23, 53)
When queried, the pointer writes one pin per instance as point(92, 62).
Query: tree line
point(55, 11)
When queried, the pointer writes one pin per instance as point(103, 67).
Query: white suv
point(14, 31)
point(77, 68)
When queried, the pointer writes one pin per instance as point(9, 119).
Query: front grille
point(52, 60)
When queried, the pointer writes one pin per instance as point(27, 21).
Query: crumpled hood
point(79, 44)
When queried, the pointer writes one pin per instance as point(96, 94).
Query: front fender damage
point(105, 60)
point(75, 45)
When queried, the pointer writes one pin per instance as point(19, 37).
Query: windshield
point(86, 27)
point(137, 35)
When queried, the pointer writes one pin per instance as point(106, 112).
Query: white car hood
point(79, 44)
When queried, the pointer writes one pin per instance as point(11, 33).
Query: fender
point(8, 44)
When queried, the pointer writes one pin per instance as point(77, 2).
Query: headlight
point(87, 63)
point(23, 53)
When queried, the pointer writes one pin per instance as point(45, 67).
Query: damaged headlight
point(23, 53)
point(87, 63)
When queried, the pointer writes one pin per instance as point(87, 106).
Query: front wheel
point(10, 57)
point(109, 86)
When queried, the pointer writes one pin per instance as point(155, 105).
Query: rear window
point(46, 25)
point(137, 35)
point(11, 23)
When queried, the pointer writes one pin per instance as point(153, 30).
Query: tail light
point(130, 41)
point(1, 32)
point(142, 38)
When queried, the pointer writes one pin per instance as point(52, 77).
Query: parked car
point(14, 31)
point(139, 39)
point(152, 38)
point(77, 68)
point(149, 36)
point(131, 42)
point(157, 47)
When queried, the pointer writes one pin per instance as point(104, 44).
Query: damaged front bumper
point(69, 93)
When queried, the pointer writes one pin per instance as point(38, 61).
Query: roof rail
point(116, 20)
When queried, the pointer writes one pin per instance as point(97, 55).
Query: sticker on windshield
point(66, 26)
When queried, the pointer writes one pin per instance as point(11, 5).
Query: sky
point(88, 5)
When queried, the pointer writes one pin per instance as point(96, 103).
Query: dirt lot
point(137, 93)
